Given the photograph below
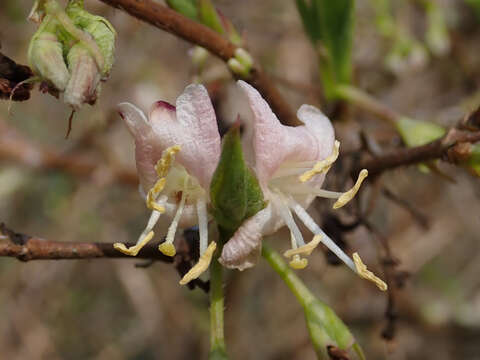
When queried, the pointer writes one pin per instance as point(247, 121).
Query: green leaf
point(208, 16)
point(329, 25)
point(337, 20)
point(234, 190)
point(187, 8)
point(326, 328)
point(417, 133)
point(310, 20)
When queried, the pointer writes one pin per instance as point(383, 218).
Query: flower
point(176, 151)
point(290, 163)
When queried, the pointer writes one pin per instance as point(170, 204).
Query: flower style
point(290, 163)
point(176, 151)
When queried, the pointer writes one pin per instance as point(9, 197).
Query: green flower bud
point(45, 55)
point(99, 28)
point(84, 79)
point(234, 190)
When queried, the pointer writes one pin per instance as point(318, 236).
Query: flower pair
point(177, 150)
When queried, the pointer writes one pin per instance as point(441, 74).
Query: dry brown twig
point(26, 248)
point(448, 147)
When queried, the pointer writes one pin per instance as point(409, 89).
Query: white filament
point(314, 228)
point(202, 224)
point(173, 226)
point(286, 215)
point(305, 190)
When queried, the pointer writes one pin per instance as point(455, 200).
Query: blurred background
point(110, 309)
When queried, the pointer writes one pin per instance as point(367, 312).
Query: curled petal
point(146, 155)
point(274, 143)
point(319, 126)
point(243, 249)
point(194, 128)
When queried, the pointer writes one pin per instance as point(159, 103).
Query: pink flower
point(290, 163)
point(176, 150)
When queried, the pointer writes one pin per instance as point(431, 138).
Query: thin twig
point(438, 149)
point(169, 20)
point(26, 248)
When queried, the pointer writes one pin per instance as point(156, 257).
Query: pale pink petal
point(320, 126)
point(267, 135)
point(194, 128)
point(145, 155)
point(243, 249)
point(274, 143)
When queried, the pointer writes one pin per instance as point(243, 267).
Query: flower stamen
point(286, 215)
point(162, 168)
point(322, 166)
point(325, 239)
point(202, 224)
point(297, 262)
point(134, 250)
point(201, 266)
point(363, 272)
point(305, 249)
point(144, 238)
point(167, 247)
point(349, 195)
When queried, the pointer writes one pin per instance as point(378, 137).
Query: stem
point(367, 102)
point(294, 283)
point(217, 338)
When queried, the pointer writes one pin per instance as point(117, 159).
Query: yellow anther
point(133, 250)
point(347, 196)
point(367, 274)
point(298, 263)
point(322, 166)
point(305, 249)
point(153, 194)
point(201, 266)
point(168, 156)
point(162, 168)
point(167, 249)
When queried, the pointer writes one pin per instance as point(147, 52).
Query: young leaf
point(417, 133)
point(329, 25)
point(234, 191)
point(187, 8)
point(209, 16)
